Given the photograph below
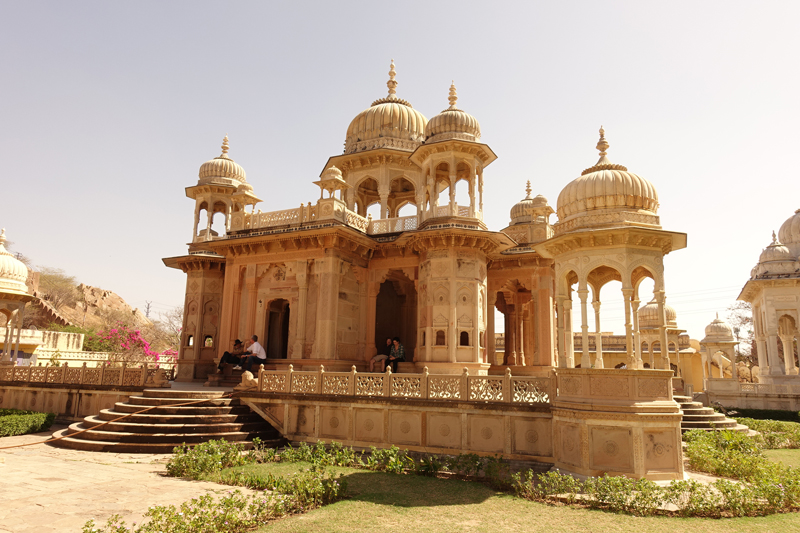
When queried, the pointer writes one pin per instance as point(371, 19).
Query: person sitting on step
point(382, 357)
point(233, 357)
point(397, 354)
point(257, 354)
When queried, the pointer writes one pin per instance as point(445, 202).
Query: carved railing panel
point(38, 374)
point(444, 387)
point(273, 382)
point(369, 385)
point(338, 384)
point(111, 376)
point(530, 390)
point(407, 386)
point(55, 375)
point(91, 376)
point(486, 388)
point(305, 383)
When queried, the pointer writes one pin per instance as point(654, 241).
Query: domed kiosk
point(773, 291)
point(13, 297)
point(608, 230)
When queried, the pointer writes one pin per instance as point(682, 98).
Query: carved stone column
point(632, 362)
point(301, 267)
point(787, 341)
point(372, 302)
point(662, 330)
point(491, 344)
point(583, 294)
point(637, 335)
point(453, 210)
point(598, 341)
point(560, 328)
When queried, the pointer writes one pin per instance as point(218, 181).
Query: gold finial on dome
point(602, 144)
point(774, 238)
point(225, 147)
point(528, 189)
point(453, 98)
point(392, 83)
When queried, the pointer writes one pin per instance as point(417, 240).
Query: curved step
point(132, 447)
point(171, 429)
point(122, 407)
point(148, 401)
point(170, 393)
point(149, 418)
point(175, 439)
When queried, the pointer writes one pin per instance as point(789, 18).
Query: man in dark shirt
point(233, 358)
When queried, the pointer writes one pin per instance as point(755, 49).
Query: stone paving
point(45, 489)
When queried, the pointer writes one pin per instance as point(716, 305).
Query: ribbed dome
point(718, 331)
point(13, 272)
point(775, 259)
point(610, 190)
point(453, 123)
point(648, 315)
point(389, 123)
point(776, 252)
point(790, 230)
point(521, 212)
point(222, 170)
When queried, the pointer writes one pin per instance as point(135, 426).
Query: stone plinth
point(619, 422)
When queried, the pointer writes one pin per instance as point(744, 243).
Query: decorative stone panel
point(532, 436)
point(485, 434)
point(333, 423)
point(611, 449)
point(369, 425)
point(444, 430)
point(661, 450)
point(405, 428)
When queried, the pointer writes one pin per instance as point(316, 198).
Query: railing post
point(143, 380)
point(83, 373)
point(507, 395)
point(320, 378)
point(64, 372)
point(102, 374)
point(260, 378)
point(351, 386)
point(289, 379)
point(122, 374)
point(423, 383)
point(387, 382)
point(465, 384)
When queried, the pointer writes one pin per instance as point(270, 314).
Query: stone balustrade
point(425, 386)
point(392, 225)
point(113, 376)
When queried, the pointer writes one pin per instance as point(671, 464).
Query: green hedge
point(17, 422)
point(766, 414)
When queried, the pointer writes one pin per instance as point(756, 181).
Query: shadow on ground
point(413, 491)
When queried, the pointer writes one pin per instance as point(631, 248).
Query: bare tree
point(57, 288)
point(740, 317)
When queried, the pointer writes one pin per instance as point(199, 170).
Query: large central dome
point(607, 195)
point(388, 123)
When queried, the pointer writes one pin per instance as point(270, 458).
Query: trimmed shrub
point(16, 422)
point(766, 414)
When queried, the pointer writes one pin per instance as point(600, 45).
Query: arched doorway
point(277, 344)
point(395, 313)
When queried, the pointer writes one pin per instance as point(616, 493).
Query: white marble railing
point(285, 217)
point(425, 386)
point(392, 225)
point(114, 376)
point(762, 388)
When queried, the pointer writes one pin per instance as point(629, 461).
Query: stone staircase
point(695, 416)
point(160, 429)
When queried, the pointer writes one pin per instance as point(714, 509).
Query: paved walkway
point(45, 489)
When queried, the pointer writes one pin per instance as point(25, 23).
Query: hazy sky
point(108, 109)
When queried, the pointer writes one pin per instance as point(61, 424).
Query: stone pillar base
point(617, 422)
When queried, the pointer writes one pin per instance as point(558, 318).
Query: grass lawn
point(402, 503)
point(789, 457)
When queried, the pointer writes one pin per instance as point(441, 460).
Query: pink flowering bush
point(128, 345)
